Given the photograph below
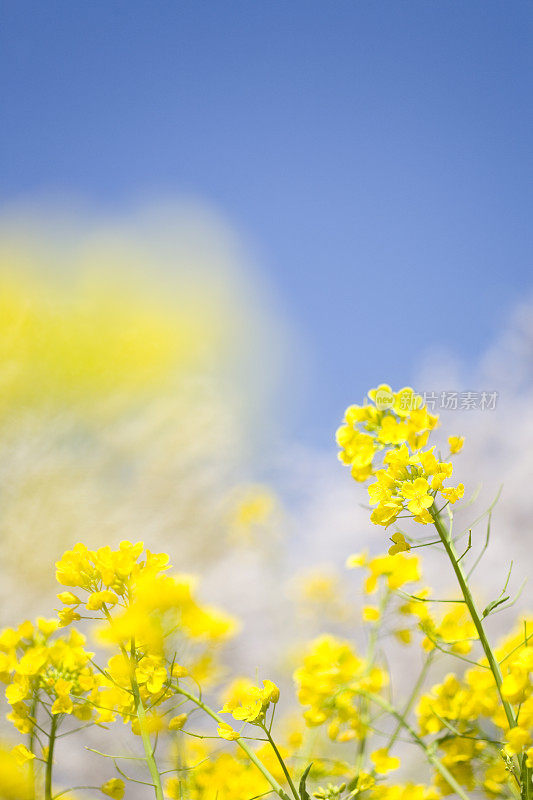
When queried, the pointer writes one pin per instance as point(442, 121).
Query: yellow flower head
point(56, 668)
point(22, 754)
point(456, 443)
point(383, 762)
point(249, 703)
point(399, 545)
point(114, 788)
point(394, 430)
point(328, 682)
point(225, 731)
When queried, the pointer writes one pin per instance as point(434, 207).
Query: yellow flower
point(382, 489)
point(319, 588)
point(361, 451)
point(247, 702)
point(398, 570)
point(47, 626)
point(361, 474)
point(384, 763)
point(453, 494)
point(173, 788)
point(15, 778)
point(371, 613)
point(237, 691)
point(270, 692)
point(63, 687)
point(515, 684)
point(386, 513)
point(517, 739)
point(428, 461)
point(397, 461)
point(22, 754)
point(456, 443)
point(406, 401)
point(16, 692)
point(225, 731)
point(445, 470)
point(114, 788)
point(68, 599)
point(66, 616)
point(455, 629)
point(424, 518)
point(417, 495)
point(396, 422)
point(382, 396)
point(154, 724)
point(177, 722)
point(32, 661)
point(399, 545)
point(328, 681)
point(249, 712)
point(249, 709)
point(97, 600)
point(62, 705)
point(74, 567)
point(392, 431)
point(496, 777)
point(403, 635)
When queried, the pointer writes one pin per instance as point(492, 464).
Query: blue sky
point(375, 154)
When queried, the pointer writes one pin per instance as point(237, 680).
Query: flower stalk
point(145, 736)
point(50, 758)
point(280, 791)
point(449, 546)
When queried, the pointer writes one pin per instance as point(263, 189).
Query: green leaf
point(493, 605)
point(304, 794)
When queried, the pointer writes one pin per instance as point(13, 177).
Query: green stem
point(476, 619)
point(50, 759)
point(282, 763)
point(430, 755)
point(145, 736)
point(242, 744)
point(31, 742)
point(444, 534)
point(526, 778)
point(140, 712)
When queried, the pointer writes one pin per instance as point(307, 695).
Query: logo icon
point(384, 399)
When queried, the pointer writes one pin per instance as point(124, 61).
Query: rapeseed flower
point(395, 427)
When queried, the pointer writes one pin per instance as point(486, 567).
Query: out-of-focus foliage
point(122, 351)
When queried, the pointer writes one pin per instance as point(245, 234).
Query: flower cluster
point(247, 703)
point(392, 575)
point(34, 662)
point(389, 419)
point(410, 478)
point(127, 588)
point(329, 681)
point(106, 575)
point(471, 706)
point(233, 774)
